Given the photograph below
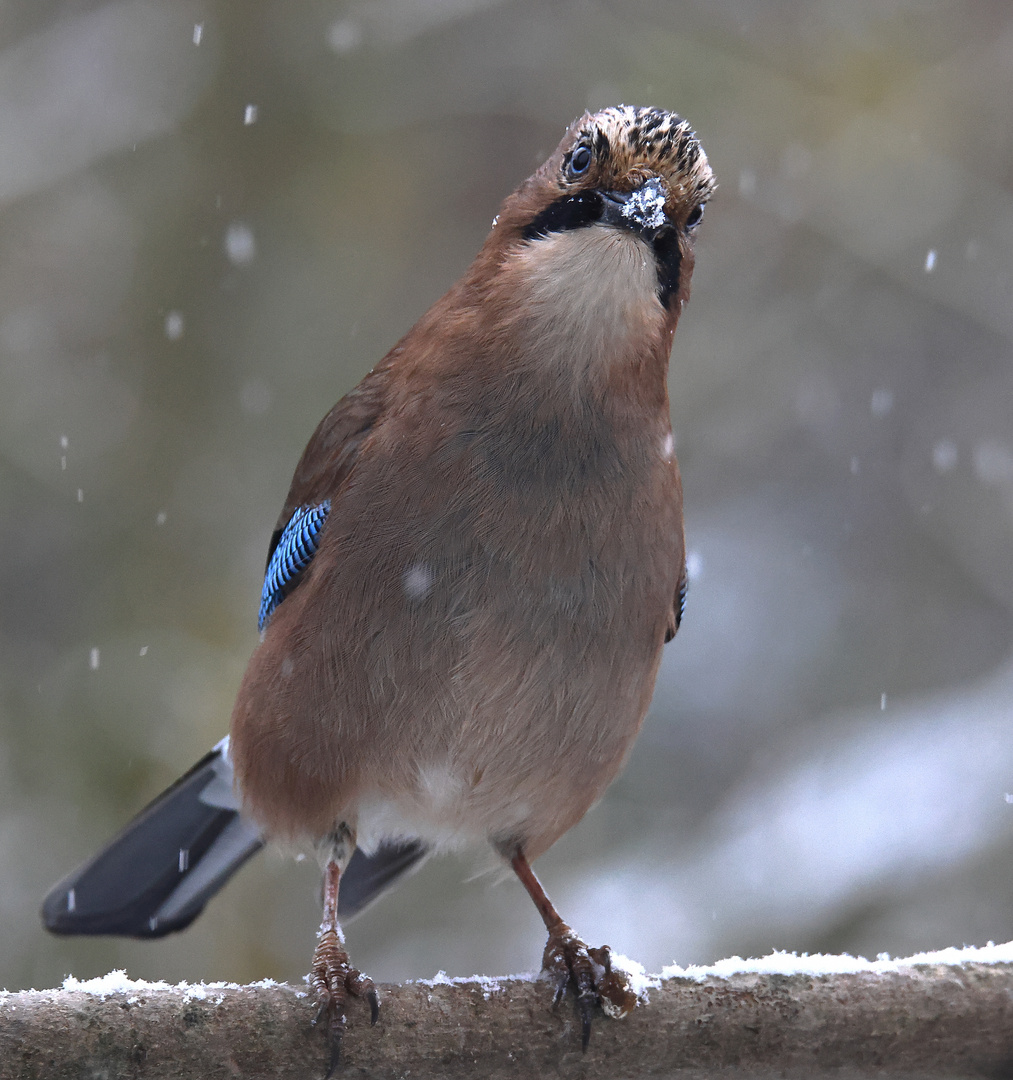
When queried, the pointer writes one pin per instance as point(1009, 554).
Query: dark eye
point(694, 217)
point(580, 160)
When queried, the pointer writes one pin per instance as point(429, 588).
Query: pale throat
point(587, 296)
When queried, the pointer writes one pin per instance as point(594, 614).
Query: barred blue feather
point(292, 554)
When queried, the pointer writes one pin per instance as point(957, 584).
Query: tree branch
point(932, 1020)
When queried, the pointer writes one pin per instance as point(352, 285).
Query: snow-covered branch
point(947, 1014)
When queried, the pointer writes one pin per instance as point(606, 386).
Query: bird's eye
point(580, 161)
point(694, 217)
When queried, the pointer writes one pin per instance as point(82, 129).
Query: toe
point(361, 986)
point(556, 968)
point(587, 993)
point(615, 991)
point(568, 962)
point(374, 1005)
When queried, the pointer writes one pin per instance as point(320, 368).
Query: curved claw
point(586, 1014)
point(568, 961)
point(332, 1005)
point(561, 984)
point(334, 978)
point(335, 1059)
point(362, 987)
point(556, 966)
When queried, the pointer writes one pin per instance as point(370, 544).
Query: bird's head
point(640, 173)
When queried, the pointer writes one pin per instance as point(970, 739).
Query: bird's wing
point(324, 466)
point(678, 606)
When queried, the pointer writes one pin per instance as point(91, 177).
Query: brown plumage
point(474, 646)
point(472, 650)
point(471, 653)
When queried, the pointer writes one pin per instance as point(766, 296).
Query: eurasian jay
point(469, 587)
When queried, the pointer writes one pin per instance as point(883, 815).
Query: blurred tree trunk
point(932, 1021)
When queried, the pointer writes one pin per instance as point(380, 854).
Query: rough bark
point(932, 1021)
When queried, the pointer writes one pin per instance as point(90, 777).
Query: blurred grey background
point(216, 217)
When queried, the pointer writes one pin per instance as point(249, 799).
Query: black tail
point(156, 876)
point(368, 877)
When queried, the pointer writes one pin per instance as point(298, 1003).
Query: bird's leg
point(333, 976)
point(567, 959)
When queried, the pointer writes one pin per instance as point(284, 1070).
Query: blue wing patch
point(292, 554)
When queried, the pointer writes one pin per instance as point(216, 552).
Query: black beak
point(642, 210)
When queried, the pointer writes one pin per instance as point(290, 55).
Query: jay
point(470, 584)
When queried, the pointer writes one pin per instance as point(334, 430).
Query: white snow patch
point(344, 35)
point(640, 982)
point(417, 581)
point(636, 974)
point(944, 456)
point(118, 982)
point(881, 402)
point(647, 205)
point(240, 245)
point(488, 984)
point(785, 963)
point(694, 564)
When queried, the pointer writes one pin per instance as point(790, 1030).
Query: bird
point(470, 585)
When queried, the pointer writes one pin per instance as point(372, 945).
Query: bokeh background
point(215, 217)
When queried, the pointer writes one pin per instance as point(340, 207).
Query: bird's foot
point(567, 961)
point(333, 978)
